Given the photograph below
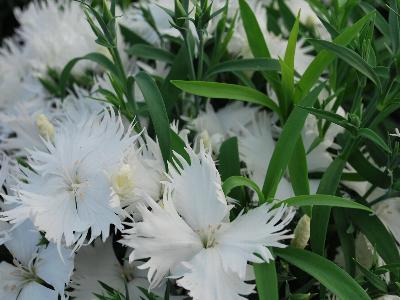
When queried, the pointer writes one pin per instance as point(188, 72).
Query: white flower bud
point(302, 233)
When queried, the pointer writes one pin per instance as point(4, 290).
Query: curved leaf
point(236, 181)
point(328, 273)
point(216, 90)
point(250, 64)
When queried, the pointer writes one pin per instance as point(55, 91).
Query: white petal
point(196, 191)
point(10, 284)
point(252, 233)
point(35, 291)
point(163, 237)
point(54, 270)
point(93, 264)
point(23, 242)
point(206, 279)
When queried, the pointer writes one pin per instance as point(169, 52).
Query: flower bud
point(301, 233)
point(46, 129)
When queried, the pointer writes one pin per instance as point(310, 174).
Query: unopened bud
point(301, 233)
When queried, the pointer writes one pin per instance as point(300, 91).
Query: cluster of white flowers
point(80, 183)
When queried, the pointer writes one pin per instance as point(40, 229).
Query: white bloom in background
point(215, 127)
point(256, 147)
point(32, 266)
point(68, 191)
point(28, 125)
point(276, 44)
point(134, 20)
point(16, 81)
point(308, 17)
point(54, 32)
point(319, 158)
point(192, 239)
point(388, 211)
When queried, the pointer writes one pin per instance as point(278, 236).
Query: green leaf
point(298, 170)
point(266, 281)
point(323, 200)
point(368, 171)
point(236, 181)
point(324, 58)
point(350, 57)
point(321, 214)
point(151, 52)
point(254, 34)
point(285, 145)
point(229, 164)
point(374, 137)
point(378, 235)
point(380, 21)
point(331, 117)
point(99, 58)
point(326, 272)
point(158, 113)
point(178, 145)
point(251, 64)
point(394, 25)
point(375, 280)
point(216, 90)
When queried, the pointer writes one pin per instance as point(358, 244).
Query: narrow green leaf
point(178, 145)
point(368, 171)
point(378, 235)
point(285, 145)
point(326, 272)
point(99, 58)
point(324, 58)
point(158, 113)
point(298, 170)
point(236, 181)
point(374, 137)
point(229, 164)
point(254, 34)
point(394, 25)
point(380, 21)
point(323, 200)
point(251, 64)
point(350, 57)
point(266, 281)
point(321, 214)
point(216, 90)
point(151, 52)
point(375, 280)
point(331, 117)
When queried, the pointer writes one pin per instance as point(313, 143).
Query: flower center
point(207, 235)
point(46, 129)
point(123, 181)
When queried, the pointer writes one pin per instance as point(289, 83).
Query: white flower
point(308, 17)
point(68, 192)
point(27, 124)
point(54, 32)
point(89, 272)
point(134, 20)
point(388, 211)
point(140, 172)
point(319, 158)
point(33, 265)
point(16, 81)
point(214, 127)
point(276, 44)
point(192, 238)
point(256, 147)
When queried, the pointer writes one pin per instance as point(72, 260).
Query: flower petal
point(196, 191)
point(164, 237)
point(251, 234)
point(207, 279)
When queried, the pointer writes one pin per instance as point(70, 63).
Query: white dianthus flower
point(191, 236)
point(33, 266)
point(68, 192)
